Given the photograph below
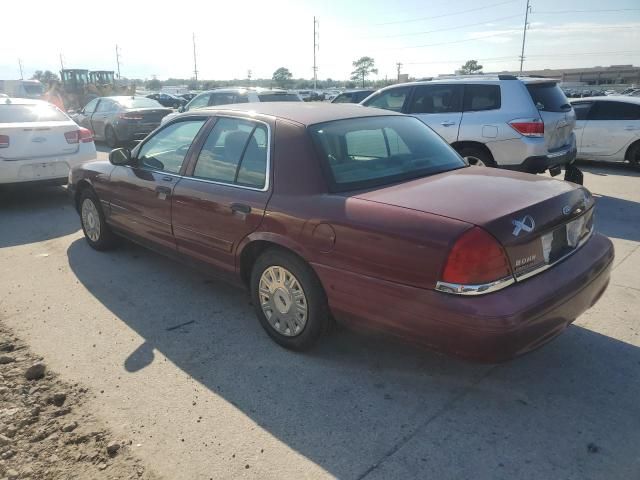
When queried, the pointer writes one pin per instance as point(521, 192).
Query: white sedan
point(608, 128)
point(40, 143)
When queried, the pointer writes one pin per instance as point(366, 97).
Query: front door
point(224, 193)
point(440, 107)
point(141, 193)
point(610, 127)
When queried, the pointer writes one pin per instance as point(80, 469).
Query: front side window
point(372, 151)
point(199, 102)
point(481, 97)
point(166, 150)
point(223, 98)
point(436, 99)
point(393, 99)
point(235, 152)
point(607, 110)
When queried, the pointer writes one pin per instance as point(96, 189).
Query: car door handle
point(163, 189)
point(240, 208)
point(448, 124)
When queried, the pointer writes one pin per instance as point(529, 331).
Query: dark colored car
point(119, 120)
point(358, 214)
point(352, 96)
point(168, 100)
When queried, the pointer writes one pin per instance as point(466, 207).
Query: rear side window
point(41, 112)
point(235, 152)
point(614, 111)
point(582, 110)
point(223, 98)
point(481, 97)
point(199, 102)
point(436, 99)
point(548, 97)
point(393, 99)
point(279, 97)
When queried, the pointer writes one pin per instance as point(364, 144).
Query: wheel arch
point(630, 148)
point(81, 186)
point(471, 144)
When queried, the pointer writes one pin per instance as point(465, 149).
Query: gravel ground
point(47, 429)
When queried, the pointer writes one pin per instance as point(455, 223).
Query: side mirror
point(181, 109)
point(120, 156)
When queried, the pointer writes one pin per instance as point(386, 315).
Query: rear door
point(610, 128)
point(100, 116)
point(141, 192)
point(84, 117)
point(395, 99)
point(582, 112)
point(440, 107)
point(223, 196)
point(556, 113)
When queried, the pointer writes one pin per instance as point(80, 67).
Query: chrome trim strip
point(542, 268)
point(459, 289)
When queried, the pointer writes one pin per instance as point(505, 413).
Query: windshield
point(279, 97)
point(365, 152)
point(31, 113)
point(139, 102)
point(548, 97)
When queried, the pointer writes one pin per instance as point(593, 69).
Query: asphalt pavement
point(177, 363)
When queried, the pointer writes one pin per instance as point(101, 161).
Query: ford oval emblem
point(566, 210)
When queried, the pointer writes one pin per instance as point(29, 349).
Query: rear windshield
point(548, 97)
point(31, 113)
point(32, 88)
point(279, 97)
point(365, 152)
point(139, 103)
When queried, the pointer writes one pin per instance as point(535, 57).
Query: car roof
point(607, 98)
point(303, 113)
point(475, 79)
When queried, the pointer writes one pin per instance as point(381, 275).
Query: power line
point(550, 12)
point(460, 12)
point(446, 29)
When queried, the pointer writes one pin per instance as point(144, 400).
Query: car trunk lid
point(25, 141)
point(517, 209)
point(556, 113)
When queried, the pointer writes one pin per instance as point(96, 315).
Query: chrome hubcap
point(475, 161)
point(90, 220)
point(283, 301)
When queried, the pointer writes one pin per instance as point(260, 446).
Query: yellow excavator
point(80, 86)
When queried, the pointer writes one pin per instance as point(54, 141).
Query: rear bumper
point(489, 328)
point(129, 133)
point(52, 170)
point(540, 164)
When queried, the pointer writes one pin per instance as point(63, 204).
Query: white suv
point(39, 143)
point(517, 123)
point(227, 96)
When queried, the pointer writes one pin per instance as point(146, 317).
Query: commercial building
point(613, 75)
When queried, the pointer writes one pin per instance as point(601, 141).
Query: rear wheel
point(96, 231)
point(110, 137)
point(477, 156)
point(634, 156)
point(289, 300)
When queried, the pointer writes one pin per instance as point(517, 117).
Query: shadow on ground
point(368, 407)
point(26, 211)
point(604, 169)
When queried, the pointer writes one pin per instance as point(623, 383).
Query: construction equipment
point(80, 86)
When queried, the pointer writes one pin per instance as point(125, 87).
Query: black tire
point(106, 239)
point(634, 156)
point(110, 137)
point(318, 318)
point(471, 153)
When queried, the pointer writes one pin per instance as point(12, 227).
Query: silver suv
point(517, 123)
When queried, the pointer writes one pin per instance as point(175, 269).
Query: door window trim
point(192, 161)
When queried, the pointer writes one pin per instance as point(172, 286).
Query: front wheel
point(96, 231)
point(634, 156)
point(289, 300)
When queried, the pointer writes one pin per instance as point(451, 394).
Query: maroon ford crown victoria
point(330, 211)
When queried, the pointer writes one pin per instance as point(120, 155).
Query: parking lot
point(177, 363)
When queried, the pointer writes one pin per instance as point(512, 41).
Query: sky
point(429, 37)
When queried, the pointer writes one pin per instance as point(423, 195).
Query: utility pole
point(399, 65)
point(195, 64)
point(316, 47)
point(118, 60)
point(21, 74)
point(61, 62)
point(524, 32)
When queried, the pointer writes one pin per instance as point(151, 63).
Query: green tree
point(362, 68)
point(471, 67)
point(45, 77)
point(282, 76)
point(154, 84)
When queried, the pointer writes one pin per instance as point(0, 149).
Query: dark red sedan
point(336, 211)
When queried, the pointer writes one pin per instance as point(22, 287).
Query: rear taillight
point(79, 136)
point(528, 128)
point(4, 141)
point(130, 116)
point(476, 259)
